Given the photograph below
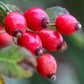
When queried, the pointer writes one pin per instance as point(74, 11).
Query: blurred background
point(71, 62)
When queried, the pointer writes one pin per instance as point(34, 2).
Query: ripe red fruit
point(52, 40)
point(32, 42)
point(67, 24)
point(37, 19)
point(15, 24)
point(5, 39)
point(46, 66)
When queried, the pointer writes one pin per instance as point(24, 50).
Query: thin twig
point(3, 31)
point(52, 24)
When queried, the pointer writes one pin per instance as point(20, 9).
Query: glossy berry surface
point(51, 39)
point(46, 66)
point(31, 41)
point(15, 23)
point(5, 39)
point(67, 24)
point(37, 19)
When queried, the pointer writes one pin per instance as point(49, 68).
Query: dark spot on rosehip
point(39, 51)
point(78, 26)
point(62, 47)
point(52, 76)
point(45, 22)
point(18, 33)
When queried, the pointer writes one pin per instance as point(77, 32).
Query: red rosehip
point(31, 41)
point(67, 24)
point(52, 40)
point(15, 24)
point(5, 39)
point(37, 19)
point(46, 66)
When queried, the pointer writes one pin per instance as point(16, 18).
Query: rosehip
point(52, 40)
point(5, 39)
point(31, 41)
point(46, 66)
point(67, 24)
point(37, 19)
point(15, 24)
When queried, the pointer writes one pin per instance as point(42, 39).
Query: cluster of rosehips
point(36, 19)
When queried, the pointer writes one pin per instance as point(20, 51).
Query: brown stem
point(8, 9)
point(52, 24)
point(14, 40)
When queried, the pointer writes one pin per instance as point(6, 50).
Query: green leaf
point(54, 12)
point(2, 80)
point(3, 13)
point(15, 63)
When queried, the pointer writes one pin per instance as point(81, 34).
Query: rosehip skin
point(15, 23)
point(46, 66)
point(67, 24)
point(5, 39)
point(37, 19)
point(51, 39)
point(31, 41)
